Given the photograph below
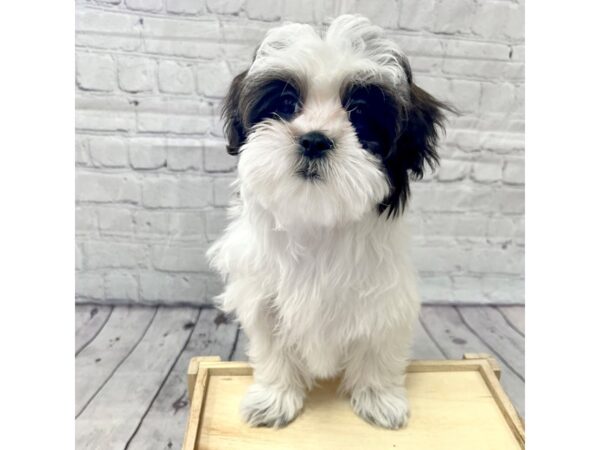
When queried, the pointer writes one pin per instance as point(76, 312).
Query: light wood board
point(456, 404)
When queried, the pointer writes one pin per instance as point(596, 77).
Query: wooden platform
point(461, 400)
point(131, 363)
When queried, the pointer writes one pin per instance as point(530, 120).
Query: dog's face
point(329, 128)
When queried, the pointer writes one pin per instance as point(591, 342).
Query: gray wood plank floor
point(131, 363)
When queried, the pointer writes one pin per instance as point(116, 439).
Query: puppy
point(328, 129)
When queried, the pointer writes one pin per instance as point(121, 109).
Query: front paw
point(267, 406)
point(384, 408)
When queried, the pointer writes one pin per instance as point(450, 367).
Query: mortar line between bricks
point(174, 175)
point(210, 136)
point(167, 134)
point(96, 94)
point(199, 243)
point(155, 396)
point(161, 37)
point(91, 132)
point(137, 208)
point(218, 19)
point(105, 102)
point(464, 183)
point(209, 100)
point(199, 101)
point(200, 59)
point(145, 134)
point(118, 365)
point(149, 208)
point(142, 134)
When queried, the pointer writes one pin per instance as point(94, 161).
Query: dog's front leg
point(277, 394)
point(374, 377)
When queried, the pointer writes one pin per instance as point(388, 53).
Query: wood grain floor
point(131, 363)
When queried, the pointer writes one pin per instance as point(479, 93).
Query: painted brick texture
point(153, 178)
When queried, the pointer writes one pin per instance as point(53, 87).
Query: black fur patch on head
point(415, 147)
point(373, 112)
point(273, 95)
point(235, 132)
point(252, 99)
point(403, 133)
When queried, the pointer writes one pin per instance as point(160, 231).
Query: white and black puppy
point(329, 130)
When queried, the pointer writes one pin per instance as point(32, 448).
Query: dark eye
point(287, 105)
point(275, 99)
point(357, 108)
point(373, 115)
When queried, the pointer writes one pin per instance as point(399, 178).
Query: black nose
point(314, 144)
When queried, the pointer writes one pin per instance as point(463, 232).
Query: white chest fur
point(322, 289)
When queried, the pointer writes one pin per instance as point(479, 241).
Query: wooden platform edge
point(198, 377)
point(506, 407)
point(520, 433)
point(192, 371)
point(490, 359)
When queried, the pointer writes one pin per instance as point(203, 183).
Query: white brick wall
point(153, 178)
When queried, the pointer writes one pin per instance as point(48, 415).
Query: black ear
point(419, 125)
point(235, 131)
point(419, 131)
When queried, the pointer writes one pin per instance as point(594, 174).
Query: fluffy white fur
point(320, 282)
